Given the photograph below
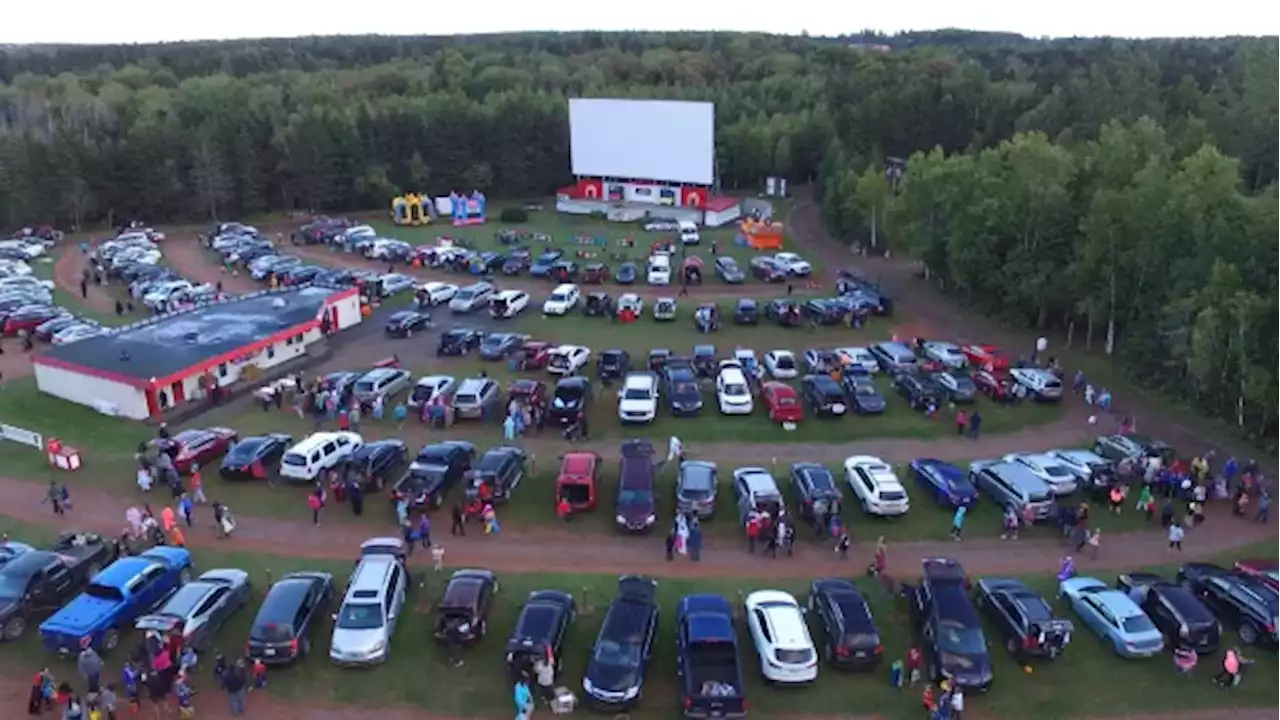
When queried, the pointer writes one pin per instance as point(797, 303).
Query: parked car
point(620, 657)
point(541, 627)
point(948, 354)
point(35, 583)
point(1113, 616)
point(733, 392)
point(816, 493)
point(200, 608)
point(947, 627)
point(572, 396)
point(823, 395)
point(613, 363)
point(563, 299)
point(459, 341)
point(427, 389)
point(502, 469)
point(862, 394)
point(684, 395)
point(1041, 385)
point(126, 589)
point(766, 269)
point(947, 484)
point(500, 345)
point(726, 268)
point(436, 469)
point(197, 446)
point(756, 491)
point(875, 485)
point(1239, 601)
point(783, 313)
point(986, 357)
point(707, 662)
point(1260, 569)
point(781, 637)
point(635, 504)
point(781, 364)
point(406, 322)
point(697, 483)
point(1175, 610)
point(746, 312)
point(568, 359)
point(920, 391)
point(1011, 484)
point(1023, 618)
point(850, 638)
point(372, 605)
point(578, 480)
point(626, 274)
point(281, 631)
point(1060, 478)
point(466, 603)
point(476, 396)
point(255, 458)
point(1122, 448)
point(383, 382)
point(1091, 469)
point(437, 293)
point(957, 387)
point(782, 402)
point(29, 318)
point(638, 398)
point(375, 464)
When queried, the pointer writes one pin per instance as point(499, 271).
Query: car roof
point(1117, 602)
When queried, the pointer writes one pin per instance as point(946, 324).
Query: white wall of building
point(723, 217)
point(98, 393)
point(348, 311)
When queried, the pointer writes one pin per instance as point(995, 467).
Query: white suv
point(562, 300)
point(781, 637)
point(876, 487)
point(733, 392)
point(638, 398)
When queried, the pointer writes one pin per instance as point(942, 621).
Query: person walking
point(670, 543)
point(753, 532)
point(54, 497)
point(695, 541)
point(842, 546)
point(957, 523)
point(523, 699)
point(236, 683)
point(424, 530)
point(1176, 533)
point(90, 666)
point(962, 421)
point(975, 424)
point(1264, 508)
point(315, 504)
point(458, 527)
point(957, 703)
point(186, 507)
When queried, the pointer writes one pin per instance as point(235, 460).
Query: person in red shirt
point(753, 533)
point(914, 660)
point(563, 509)
point(962, 421)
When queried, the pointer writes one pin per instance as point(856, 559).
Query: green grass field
point(416, 675)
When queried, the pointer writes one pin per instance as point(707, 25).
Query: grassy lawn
point(416, 674)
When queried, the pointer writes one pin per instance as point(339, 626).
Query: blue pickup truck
point(707, 659)
point(115, 597)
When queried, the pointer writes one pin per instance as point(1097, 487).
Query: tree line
point(1124, 189)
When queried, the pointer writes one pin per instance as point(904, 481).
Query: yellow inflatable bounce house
point(761, 235)
point(411, 209)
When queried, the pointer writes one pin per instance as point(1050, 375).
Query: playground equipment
point(760, 235)
point(412, 209)
point(464, 209)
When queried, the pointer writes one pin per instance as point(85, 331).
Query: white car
point(793, 264)
point(632, 302)
point(638, 398)
point(22, 282)
point(508, 303)
point(876, 486)
point(438, 293)
point(781, 637)
point(949, 354)
point(1083, 462)
point(859, 357)
point(165, 292)
point(732, 391)
point(659, 270)
point(563, 299)
point(14, 268)
point(567, 359)
point(781, 364)
point(76, 333)
point(430, 388)
point(30, 250)
point(1059, 476)
point(358, 233)
point(661, 226)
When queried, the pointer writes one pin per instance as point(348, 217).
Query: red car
point(30, 318)
point(986, 357)
point(578, 479)
point(782, 402)
point(198, 447)
point(529, 392)
point(1264, 570)
point(537, 353)
point(993, 385)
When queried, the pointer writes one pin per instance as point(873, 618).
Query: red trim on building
point(90, 371)
point(721, 203)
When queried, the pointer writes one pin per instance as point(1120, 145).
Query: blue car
point(947, 484)
point(1113, 616)
point(542, 266)
point(127, 589)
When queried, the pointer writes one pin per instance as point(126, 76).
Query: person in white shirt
point(957, 703)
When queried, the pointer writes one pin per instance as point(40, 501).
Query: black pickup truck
point(35, 583)
point(1024, 619)
point(707, 659)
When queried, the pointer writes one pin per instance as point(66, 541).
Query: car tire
point(13, 628)
point(110, 640)
point(1248, 633)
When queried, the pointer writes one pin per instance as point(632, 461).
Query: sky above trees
point(146, 21)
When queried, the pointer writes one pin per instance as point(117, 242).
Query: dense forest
point(1123, 189)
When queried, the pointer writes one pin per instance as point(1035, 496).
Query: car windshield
point(635, 394)
point(1057, 471)
point(957, 639)
point(12, 588)
point(464, 295)
point(296, 459)
point(635, 497)
point(271, 633)
point(687, 388)
point(785, 362)
point(614, 653)
point(559, 297)
point(245, 449)
point(360, 616)
point(735, 389)
point(866, 390)
point(1138, 624)
point(464, 398)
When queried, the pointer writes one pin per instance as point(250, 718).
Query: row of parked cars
point(26, 306)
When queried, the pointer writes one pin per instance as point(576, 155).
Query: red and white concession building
point(644, 158)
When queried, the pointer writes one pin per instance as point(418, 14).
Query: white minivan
point(659, 270)
point(311, 457)
point(689, 233)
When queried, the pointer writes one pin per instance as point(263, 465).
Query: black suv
point(682, 391)
point(746, 312)
point(947, 626)
point(850, 638)
point(1237, 600)
point(919, 391)
point(502, 469)
point(571, 396)
point(1175, 610)
point(281, 632)
point(540, 628)
point(1024, 618)
point(816, 491)
point(614, 679)
point(459, 341)
point(375, 462)
point(435, 470)
point(823, 395)
point(784, 313)
point(613, 364)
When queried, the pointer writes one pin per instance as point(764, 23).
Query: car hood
point(612, 678)
point(637, 405)
point(968, 670)
point(869, 402)
point(355, 641)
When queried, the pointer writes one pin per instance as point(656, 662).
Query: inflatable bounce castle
point(760, 235)
point(465, 209)
point(412, 209)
